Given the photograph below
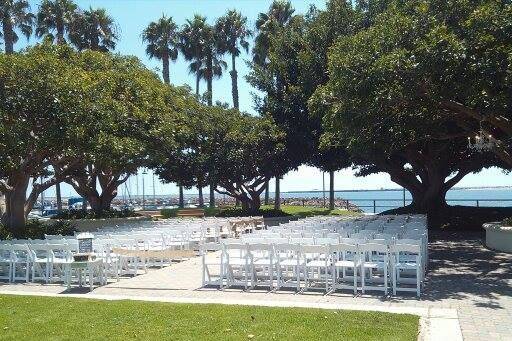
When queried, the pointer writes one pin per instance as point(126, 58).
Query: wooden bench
point(190, 212)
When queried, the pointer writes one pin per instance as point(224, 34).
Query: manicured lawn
point(268, 211)
point(308, 211)
point(40, 318)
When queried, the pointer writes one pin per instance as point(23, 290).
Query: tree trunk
point(8, 34)
point(212, 194)
point(181, 199)
point(209, 79)
point(60, 34)
point(201, 198)
point(267, 193)
point(234, 82)
point(198, 78)
point(277, 202)
point(103, 202)
point(331, 190)
point(15, 217)
point(165, 68)
point(59, 197)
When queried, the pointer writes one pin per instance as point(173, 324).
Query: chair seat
point(406, 265)
point(290, 262)
point(346, 264)
point(62, 261)
point(316, 263)
point(263, 261)
point(374, 265)
point(237, 261)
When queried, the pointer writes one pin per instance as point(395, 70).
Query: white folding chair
point(289, 264)
point(317, 265)
point(374, 258)
point(21, 262)
point(406, 258)
point(345, 257)
point(213, 276)
point(262, 262)
point(5, 262)
point(42, 258)
point(237, 264)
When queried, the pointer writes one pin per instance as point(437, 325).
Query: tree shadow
point(462, 268)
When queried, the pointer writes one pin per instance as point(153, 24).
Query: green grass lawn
point(43, 318)
point(268, 211)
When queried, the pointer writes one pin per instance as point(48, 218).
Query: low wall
point(91, 225)
point(498, 237)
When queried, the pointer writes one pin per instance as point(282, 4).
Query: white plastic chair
point(345, 256)
point(213, 276)
point(406, 257)
point(289, 264)
point(374, 258)
point(5, 262)
point(21, 261)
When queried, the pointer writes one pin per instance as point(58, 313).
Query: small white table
point(93, 268)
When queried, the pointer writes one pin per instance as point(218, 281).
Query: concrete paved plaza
point(465, 280)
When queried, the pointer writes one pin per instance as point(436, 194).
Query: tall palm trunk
point(8, 35)
point(60, 34)
point(234, 82)
point(198, 78)
point(277, 202)
point(331, 190)
point(209, 81)
point(165, 68)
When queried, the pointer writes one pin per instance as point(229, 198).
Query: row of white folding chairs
point(47, 262)
point(335, 266)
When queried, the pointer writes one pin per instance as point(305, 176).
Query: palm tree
point(15, 14)
point(55, 16)
point(199, 46)
point(279, 14)
point(232, 34)
point(192, 44)
point(93, 29)
point(163, 41)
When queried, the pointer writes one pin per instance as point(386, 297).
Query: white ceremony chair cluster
point(123, 250)
point(385, 253)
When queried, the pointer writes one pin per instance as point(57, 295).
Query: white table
point(93, 268)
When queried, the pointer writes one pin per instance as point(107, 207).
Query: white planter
point(498, 237)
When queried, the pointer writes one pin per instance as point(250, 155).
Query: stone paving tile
point(462, 275)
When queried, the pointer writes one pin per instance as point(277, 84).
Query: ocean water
point(388, 199)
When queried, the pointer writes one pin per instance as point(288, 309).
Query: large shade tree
point(136, 111)
point(162, 39)
point(40, 118)
point(385, 93)
point(15, 16)
point(54, 19)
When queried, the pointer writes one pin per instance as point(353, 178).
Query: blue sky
point(132, 16)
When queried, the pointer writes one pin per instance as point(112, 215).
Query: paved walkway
point(465, 280)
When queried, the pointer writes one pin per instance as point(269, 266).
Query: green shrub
point(507, 221)
point(81, 214)
point(238, 212)
point(169, 212)
point(36, 229)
